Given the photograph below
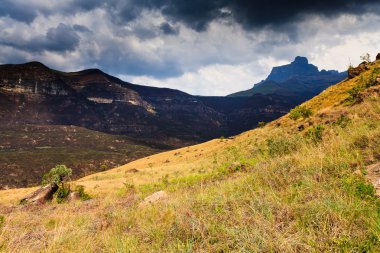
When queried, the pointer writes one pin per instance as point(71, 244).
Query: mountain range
point(33, 96)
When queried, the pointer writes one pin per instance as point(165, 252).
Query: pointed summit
point(299, 67)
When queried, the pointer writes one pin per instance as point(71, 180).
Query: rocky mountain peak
point(300, 60)
point(299, 67)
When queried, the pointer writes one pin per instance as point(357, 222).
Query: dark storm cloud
point(168, 29)
point(62, 38)
point(9, 9)
point(197, 14)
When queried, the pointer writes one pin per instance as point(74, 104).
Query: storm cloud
point(203, 47)
point(62, 38)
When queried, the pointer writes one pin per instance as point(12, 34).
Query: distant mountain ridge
point(127, 120)
point(298, 78)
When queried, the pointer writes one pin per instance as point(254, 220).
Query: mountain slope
point(281, 188)
point(35, 97)
point(34, 94)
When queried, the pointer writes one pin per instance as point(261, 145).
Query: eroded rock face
point(353, 72)
point(41, 196)
point(34, 94)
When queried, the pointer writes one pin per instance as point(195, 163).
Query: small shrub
point(82, 194)
point(129, 187)
point(366, 57)
point(56, 175)
point(61, 194)
point(342, 121)
point(300, 112)
point(354, 94)
point(103, 167)
point(316, 133)
point(261, 124)
point(2, 221)
point(357, 186)
point(165, 180)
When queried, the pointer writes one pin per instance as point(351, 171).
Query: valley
point(92, 121)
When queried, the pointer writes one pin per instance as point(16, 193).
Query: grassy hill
point(295, 185)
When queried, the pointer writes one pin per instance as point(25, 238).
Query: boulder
point(378, 57)
point(42, 195)
point(73, 196)
point(353, 72)
point(154, 198)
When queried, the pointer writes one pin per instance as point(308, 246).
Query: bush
point(354, 94)
point(316, 133)
point(300, 112)
point(261, 124)
point(342, 121)
point(358, 186)
point(61, 194)
point(82, 194)
point(56, 175)
point(2, 221)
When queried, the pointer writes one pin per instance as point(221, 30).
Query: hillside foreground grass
point(295, 185)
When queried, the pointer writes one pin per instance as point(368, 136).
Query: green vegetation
point(343, 121)
point(62, 193)
point(2, 221)
point(82, 194)
point(56, 175)
point(315, 133)
point(300, 112)
point(364, 82)
point(261, 124)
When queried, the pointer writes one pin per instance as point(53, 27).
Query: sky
point(202, 47)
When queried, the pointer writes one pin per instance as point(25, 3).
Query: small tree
point(300, 112)
point(57, 175)
point(366, 57)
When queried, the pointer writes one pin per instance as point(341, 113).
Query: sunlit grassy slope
point(287, 187)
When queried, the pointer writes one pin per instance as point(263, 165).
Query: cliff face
point(299, 67)
point(34, 94)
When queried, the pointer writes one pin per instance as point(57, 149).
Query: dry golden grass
point(274, 189)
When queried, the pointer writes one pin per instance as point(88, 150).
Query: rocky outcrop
point(154, 198)
point(353, 72)
point(299, 78)
point(41, 196)
point(73, 196)
point(373, 175)
point(300, 66)
point(378, 57)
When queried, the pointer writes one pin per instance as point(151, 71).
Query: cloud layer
point(203, 47)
